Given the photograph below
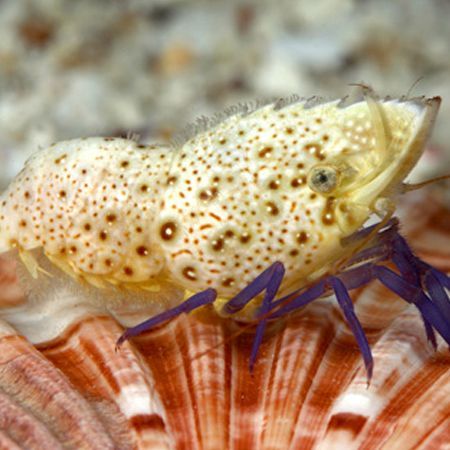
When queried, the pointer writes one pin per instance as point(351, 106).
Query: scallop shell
point(186, 384)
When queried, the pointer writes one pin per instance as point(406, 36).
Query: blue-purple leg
point(261, 282)
point(429, 331)
point(358, 276)
point(346, 305)
point(435, 281)
point(418, 283)
point(405, 261)
point(444, 279)
point(269, 280)
point(424, 277)
point(276, 277)
point(196, 301)
point(352, 279)
point(296, 300)
point(436, 289)
point(413, 294)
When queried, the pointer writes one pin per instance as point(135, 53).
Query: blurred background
point(73, 68)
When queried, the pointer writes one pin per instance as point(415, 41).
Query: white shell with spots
point(89, 203)
point(222, 207)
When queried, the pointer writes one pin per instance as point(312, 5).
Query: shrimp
point(258, 213)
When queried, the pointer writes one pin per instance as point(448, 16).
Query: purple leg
point(352, 279)
point(346, 305)
point(435, 281)
point(444, 279)
point(276, 277)
point(288, 304)
point(429, 331)
point(403, 258)
point(413, 294)
point(196, 301)
point(343, 298)
point(269, 280)
point(418, 283)
point(425, 278)
point(437, 293)
point(261, 282)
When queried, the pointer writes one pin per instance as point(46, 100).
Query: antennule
point(405, 187)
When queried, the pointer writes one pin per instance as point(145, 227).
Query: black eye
point(323, 179)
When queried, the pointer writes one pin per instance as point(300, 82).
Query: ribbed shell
point(186, 385)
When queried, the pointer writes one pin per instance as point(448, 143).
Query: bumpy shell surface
point(180, 386)
point(251, 190)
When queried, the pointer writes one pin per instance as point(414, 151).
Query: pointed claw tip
point(433, 343)
point(120, 341)
point(369, 373)
point(251, 363)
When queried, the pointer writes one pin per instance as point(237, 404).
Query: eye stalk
point(323, 179)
